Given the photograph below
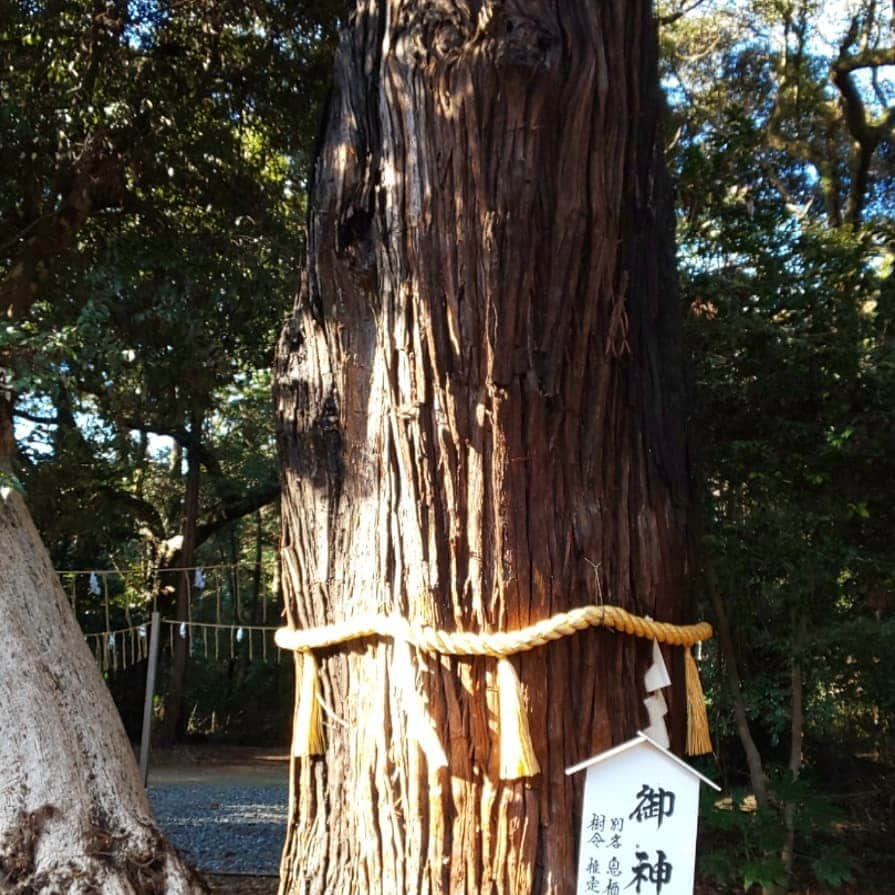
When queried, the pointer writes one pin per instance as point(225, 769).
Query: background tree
point(782, 144)
point(158, 299)
point(149, 161)
point(84, 821)
point(480, 403)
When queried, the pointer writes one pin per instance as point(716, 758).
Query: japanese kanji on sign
point(638, 825)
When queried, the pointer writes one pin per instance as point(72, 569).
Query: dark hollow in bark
point(479, 406)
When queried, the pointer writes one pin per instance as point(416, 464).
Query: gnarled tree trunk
point(74, 817)
point(479, 414)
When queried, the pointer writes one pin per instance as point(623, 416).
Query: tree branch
point(229, 511)
point(852, 105)
point(98, 183)
point(671, 17)
point(137, 507)
point(867, 135)
point(182, 436)
point(34, 418)
point(866, 59)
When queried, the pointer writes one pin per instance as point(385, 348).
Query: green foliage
point(193, 125)
point(789, 321)
point(742, 843)
point(786, 265)
point(238, 702)
point(152, 186)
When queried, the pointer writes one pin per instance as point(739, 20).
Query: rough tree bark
point(74, 817)
point(479, 412)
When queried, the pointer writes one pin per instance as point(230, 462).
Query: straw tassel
point(517, 755)
point(698, 740)
point(307, 731)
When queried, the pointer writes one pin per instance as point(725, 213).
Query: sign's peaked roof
point(640, 739)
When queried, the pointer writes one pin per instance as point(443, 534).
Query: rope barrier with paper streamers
point(105, 646)
point(117, 648)
point(235, 634)
point(517, 756)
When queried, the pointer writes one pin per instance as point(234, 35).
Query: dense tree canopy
point(782, 138)
point(153, 165)
point(153, 170)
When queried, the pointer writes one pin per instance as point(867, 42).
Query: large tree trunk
point(74, 817)
point(479, 414)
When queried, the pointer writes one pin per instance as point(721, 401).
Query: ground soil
point(229, 884)
point(196, 764)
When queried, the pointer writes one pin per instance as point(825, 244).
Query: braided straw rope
point(517, 757)
point(498, 644)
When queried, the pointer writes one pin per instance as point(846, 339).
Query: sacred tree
point(479, 406)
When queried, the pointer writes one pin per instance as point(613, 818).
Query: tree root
point(111, 862)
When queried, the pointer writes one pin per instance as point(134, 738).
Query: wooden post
point(151, 668)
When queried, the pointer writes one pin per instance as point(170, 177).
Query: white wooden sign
point(638, 824)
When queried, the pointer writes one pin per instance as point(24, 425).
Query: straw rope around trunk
point(517, 758)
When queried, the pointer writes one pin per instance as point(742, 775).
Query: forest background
point(154, 167)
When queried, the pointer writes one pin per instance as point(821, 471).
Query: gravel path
point(229, 827)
